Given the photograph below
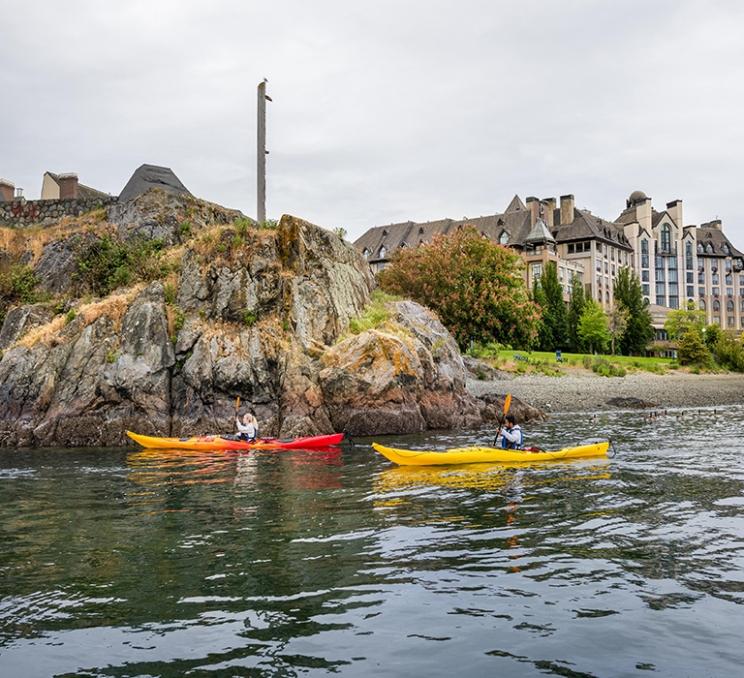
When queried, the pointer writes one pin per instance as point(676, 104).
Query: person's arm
point(241, 427)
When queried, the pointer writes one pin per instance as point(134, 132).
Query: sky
point(382, 110)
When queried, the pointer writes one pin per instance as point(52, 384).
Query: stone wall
point(28, 212)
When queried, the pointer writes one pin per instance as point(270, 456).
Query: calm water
point(284, 564)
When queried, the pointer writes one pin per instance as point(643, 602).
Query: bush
point(18, 285)
point(170, 292)
point(586, 361)
point(730, 353)
point(249, 318)
point(105, 263)
point(692, 350)
point(488, 351)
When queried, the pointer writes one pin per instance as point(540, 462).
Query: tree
point(617, 322)
point(629, 295)
point(692, 350)
point(548, 294)
point(712, 335)
point(575, 308)
point(680, 321)
point(476, 286)
point(593, 329)
point(340, 231)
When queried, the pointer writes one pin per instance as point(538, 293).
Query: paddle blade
point(237, 403)
point(507, 403)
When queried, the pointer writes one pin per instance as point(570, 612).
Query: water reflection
point(291, 563)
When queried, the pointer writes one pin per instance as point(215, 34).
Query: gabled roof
point(515, 205)
point(84, 192)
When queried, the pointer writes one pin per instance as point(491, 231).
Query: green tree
point(692, 350)
point(575, 309)
point(712, 335)
point(729, 352)
point(548, 293)
point(629, 295)
point(617, 322)
point(593, 329)
point(683, 319)
point(476, 286)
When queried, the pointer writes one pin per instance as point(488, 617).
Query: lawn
point(649, 364)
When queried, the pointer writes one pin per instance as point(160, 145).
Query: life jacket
point(507, 444)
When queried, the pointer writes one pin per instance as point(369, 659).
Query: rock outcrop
point(262, 314)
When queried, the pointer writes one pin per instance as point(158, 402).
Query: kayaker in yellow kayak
point(511, 434)
point(248, 429)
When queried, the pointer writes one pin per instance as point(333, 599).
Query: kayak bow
point(480, 455)
point(215, 442)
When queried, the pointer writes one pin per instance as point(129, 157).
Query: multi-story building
point(676, 263)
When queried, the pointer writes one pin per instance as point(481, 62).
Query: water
point(283, 564)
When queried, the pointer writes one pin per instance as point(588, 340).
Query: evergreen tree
point(575, 309)
point(555, 309)
point(544, 330)
point(593, 328)
point(629, 295)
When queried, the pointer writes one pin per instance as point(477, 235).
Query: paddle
point(507, 405)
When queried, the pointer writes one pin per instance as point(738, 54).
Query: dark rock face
point(263, 319)
point(146, 177)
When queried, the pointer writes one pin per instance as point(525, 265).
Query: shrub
point(170, 291)
point(184, 230)
point(70, 316)
point(106, 263)
point(586, 361)
point(488, 351)
point(730, 353)
point(270, 224)
point(692, 350)
point(18, 285)
point(249, 318)
point(374, 315)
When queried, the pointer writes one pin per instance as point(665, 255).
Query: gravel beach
point(588, 392)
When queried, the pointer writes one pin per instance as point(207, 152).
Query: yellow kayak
point(480, 455)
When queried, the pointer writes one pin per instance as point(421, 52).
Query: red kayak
point(223, 443)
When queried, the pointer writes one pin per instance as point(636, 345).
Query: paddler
point(511, 434)
point(248, 429)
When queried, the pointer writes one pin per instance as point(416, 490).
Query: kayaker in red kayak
point(248, 429)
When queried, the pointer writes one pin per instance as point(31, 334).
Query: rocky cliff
point(219, 309)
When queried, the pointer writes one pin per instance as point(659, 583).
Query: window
point(503, 238)
point(688, 254)
point(660, 275)
point(644, 275)
point(730, 322)
point(536, 271)
point(383, 251)
point(607, 267)
point(701, 304)
point(715, 279)
point(730, 306)
point(660, 291)
point(571, 248)
point(729, 291)
point(701, 291)
point(716, 306)
point(700, 248)
point(728, 265)
point(716, 291)
point(741, 305)
point(690, 290)
point(365, 253)
point(741, 281)
point(690, 276)
point(729, 279)
point(726, 249)
point(644, 253)
point(673, 275)
point(666, 238)
point(645, 290)
point(709, 249)
point(701, 278)
point(673, 302)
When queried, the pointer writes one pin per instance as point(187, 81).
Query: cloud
point(383, 111)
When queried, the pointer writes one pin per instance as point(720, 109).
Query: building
point(62, 186)
point(676, 263)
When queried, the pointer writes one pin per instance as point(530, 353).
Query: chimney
point(7, 190)
point(68, 186)
point(715, 224)
point(675, 210)
point(549, 212)
point(567, 209)
point(533, 205)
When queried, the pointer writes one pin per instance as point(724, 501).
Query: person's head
point(247, 418)
point(510, 420)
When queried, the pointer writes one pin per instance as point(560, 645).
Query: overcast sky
point(384, 110)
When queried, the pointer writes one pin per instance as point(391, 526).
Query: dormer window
point(709, 249)
point(421, 230)
point(403, 244)
point(383, 251)
point(365, 253)
point(700, 248)
point(725, 249)
point(503, 238)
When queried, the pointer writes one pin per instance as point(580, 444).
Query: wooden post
point(261, 154)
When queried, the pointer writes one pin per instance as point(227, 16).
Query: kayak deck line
point(217, 442)
point(480, 455)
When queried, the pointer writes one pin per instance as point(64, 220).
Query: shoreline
point(588, 392)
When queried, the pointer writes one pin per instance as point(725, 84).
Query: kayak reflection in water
point(511, 434)
point(248, 429)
